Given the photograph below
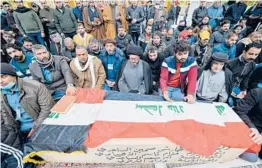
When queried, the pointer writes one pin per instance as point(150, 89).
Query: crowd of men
point(47, 53)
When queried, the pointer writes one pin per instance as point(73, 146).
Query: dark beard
point(19, 58)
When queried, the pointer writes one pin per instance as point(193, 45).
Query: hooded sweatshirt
point(27, 21)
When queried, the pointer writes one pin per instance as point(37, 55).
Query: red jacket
point(188, 74)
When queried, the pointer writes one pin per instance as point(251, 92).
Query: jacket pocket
point(32, 105)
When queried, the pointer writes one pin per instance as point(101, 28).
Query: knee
point(251, 157)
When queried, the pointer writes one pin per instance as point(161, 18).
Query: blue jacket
point(22, 69)
point(27, 52)
point(235, 11)
point(78, 14)
point(119, 58)
point(26, 121)
point(218, 37)
point(213, 12)
point(223, 47)
point(253, 10)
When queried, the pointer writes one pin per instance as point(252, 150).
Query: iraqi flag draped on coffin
point(89, 128)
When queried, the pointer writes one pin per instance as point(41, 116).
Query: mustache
point(251, 59)
point(182, 60)
point(45, 60)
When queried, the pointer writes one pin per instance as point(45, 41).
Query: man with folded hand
point(135, 75)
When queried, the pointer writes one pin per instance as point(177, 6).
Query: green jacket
point(34, 98)
point(27, 21)
point(65, 21)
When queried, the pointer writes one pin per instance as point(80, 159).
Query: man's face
point(238, 30)
point(79, 4)
point(81, 30)
point(148, 30)
point(150, 22)
point(231, 41)
point(169, 33)
point(92, 4)
point(152, 55)
point(149, 3)
point(94, 46)
point(216, 4)
point(70, 45)
point(112, 2)
point(6, 79)
point(205, 28)
point(217, 66)
point(56, 38)
point(110, 48)
point(8, 37)
point(15, 54)
point(134, 3)
point(241, 1)
point(256, 38)
point(182, 56)
point(243, 22)
point(28, 45)
point(202, 3)
point(44, 4)
point(225, 27)
point(35, 8)
point(134, 59)
point(163, 32)
point(85, 3)
point(82, 55)
point(66, 2)
point(205, 20)
point(42, 55)
point(58, 4)
point(6, 7)
point(204, 42)
point(121, 31)
point(19, 3)
point(182, 23)
point(251, 54)
point(156, 40)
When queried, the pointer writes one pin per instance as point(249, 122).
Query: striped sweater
point(188, 74)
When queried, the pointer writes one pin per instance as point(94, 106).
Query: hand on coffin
point(166, 97)
point(190, 99)
point(31, 132)
point(71, 91)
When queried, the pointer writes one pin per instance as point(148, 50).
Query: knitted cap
point(204, 35)
point(219, 56)
point(134, 50)
point(7, 69)
point(184, 34)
